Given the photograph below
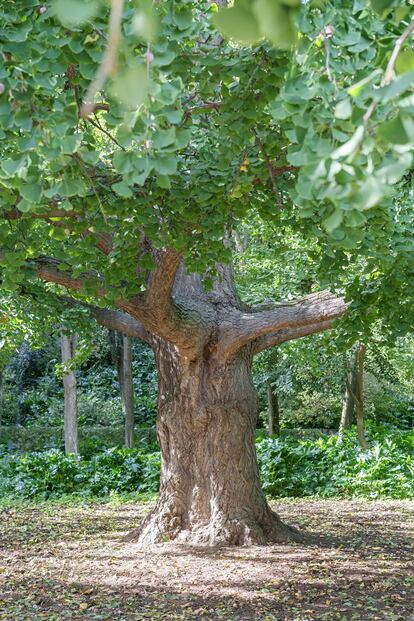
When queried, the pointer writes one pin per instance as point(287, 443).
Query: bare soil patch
point(72, 562)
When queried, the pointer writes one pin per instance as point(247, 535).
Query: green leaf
point(130, 87)
point(396, 88)
point(334, 220)
point(164, 138)
point(400, 130)
point(276, 23)
point(382, 6)
point(355, 218)
point(343, 109)
point(392, 173)
point(31, 192)
point(370, 193)
point(70, 144)
point(14, 167)
point(238, 23)
point(74, 12)
point(165, 165)
point(358, 87)
point(350, 146)
point(122, 189)
point(405, 61)
point(163, 181)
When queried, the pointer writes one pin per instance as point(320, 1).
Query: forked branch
point(294, 317)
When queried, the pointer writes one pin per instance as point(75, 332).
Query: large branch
point(243, 328)
point(114, 320)
point(289, 334)
point(47, 269)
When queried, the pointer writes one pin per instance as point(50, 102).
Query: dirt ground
point(71, 562)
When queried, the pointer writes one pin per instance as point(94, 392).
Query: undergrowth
point(289, 467)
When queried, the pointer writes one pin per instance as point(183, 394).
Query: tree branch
point(389, 71)
point(161, 279)
point(243, 328)
point(114, 320)
point(47, 269)
point(289, 334)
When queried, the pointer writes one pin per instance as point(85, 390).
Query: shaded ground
point(68, 562)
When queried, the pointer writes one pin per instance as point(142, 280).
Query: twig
point(108, 64)
point(327, 33)
point(389, 71)
point(102, 129)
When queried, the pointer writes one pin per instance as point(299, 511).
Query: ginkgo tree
point(135, 139)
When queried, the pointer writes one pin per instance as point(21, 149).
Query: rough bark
point(272, 410)
point(210, 490)
point(204, 343)
point(121, 351)
point(70, 418)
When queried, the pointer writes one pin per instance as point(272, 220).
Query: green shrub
point(329, 467)
point(289, 466)
point(53, 474)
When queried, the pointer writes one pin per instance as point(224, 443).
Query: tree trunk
point(359, 397)
point(273, 411)
point(121, 352)
point(70, 419)
point(23, 358)
point(348, 404)
point(127, 392)
point(210, 490)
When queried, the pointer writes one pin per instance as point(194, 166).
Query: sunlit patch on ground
point(71, 562)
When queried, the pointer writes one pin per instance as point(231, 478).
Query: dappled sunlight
point(69, 560)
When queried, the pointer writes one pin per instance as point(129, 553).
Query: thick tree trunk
point(121, 352)
point(70, 419)
point(272, 410)
point(210, 490)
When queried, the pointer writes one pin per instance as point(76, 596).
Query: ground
point(62, 562)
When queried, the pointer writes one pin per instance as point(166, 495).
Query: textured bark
point(70, 419)
point(204, 343)
point(121, 352)
point(210, 490)
point(272, 410)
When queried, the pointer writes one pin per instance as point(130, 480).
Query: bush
point(289, 466)
point(329, 467)
point(53, 474)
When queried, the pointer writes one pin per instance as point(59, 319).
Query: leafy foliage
point(326, 467)
point(52, 473)
point(289, 467)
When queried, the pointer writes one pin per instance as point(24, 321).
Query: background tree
point(121, 352)
point(70, 419)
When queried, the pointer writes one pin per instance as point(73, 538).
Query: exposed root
point(162, 526)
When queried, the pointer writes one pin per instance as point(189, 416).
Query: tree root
point(161, 527)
